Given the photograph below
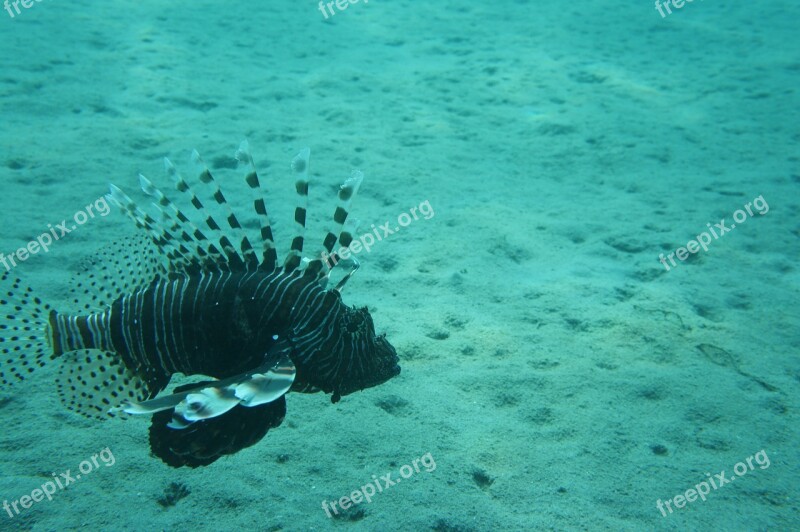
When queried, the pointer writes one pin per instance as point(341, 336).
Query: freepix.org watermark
point(12, 6)
point(341, 5)
point(367, 491)
point(717, 481)
point(667, 5)
point(60, 481)
point(43, 241)
point(367, 240)
point(704, 239)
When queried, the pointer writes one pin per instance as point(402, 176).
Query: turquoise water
point(592, 288)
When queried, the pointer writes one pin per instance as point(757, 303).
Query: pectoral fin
point(211, 399)
point(205, 441)
point(262, 388)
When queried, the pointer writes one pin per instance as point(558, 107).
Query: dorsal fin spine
point(269, 254)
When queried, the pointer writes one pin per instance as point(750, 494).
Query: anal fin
point(94, 383)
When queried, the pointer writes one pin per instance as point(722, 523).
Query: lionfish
point(203, 302)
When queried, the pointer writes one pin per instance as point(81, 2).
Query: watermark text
point(43, 241)
point(702, 489)
point(378, 485)
point(704, 239)
point(367, 240)
point(62, 480)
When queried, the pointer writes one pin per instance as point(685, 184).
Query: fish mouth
point(386, 365)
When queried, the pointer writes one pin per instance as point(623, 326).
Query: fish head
point(343, 354)
point(368, 359)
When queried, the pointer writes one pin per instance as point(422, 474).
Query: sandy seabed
point(558, 376)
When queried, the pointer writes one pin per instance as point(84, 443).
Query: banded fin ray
point(269, 254)
point(178, 258)
point(232, 257)
point(300, 168)
point(189, 249)
point(346, 195)
point(207, 178)
point(205, 250)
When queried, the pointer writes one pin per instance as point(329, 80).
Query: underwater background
point(570, 361)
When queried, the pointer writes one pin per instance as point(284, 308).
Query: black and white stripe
point(70, 333)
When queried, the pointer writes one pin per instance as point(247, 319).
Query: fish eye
point(354, 322)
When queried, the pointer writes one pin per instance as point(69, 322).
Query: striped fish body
point(222, 325)
point(199, 301)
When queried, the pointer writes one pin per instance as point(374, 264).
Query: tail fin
point(25, 336)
